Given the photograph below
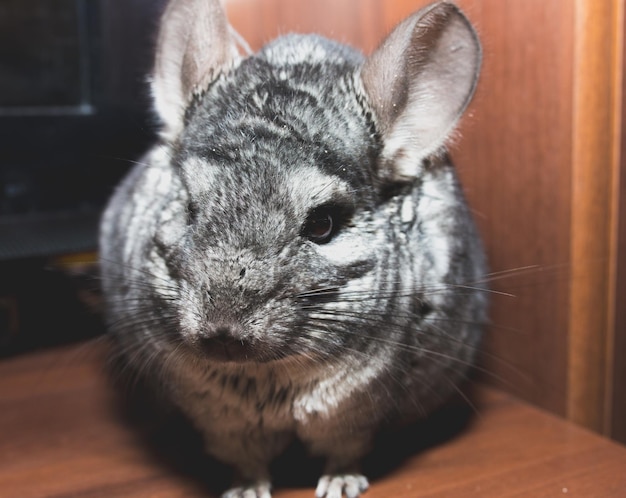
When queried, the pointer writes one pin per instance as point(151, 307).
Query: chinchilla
point(294, 258)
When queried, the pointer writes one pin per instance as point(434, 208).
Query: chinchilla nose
point(223, 332)
point(225, 341)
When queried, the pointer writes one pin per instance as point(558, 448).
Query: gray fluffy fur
point(218, 295)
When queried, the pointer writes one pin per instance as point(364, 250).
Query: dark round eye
point(320, 225)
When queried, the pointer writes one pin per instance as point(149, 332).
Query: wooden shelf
point(63, 436)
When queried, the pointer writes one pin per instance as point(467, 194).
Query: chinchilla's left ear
point(195, 43)
point(419, 81)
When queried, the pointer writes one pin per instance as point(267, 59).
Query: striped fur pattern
point(294, 258)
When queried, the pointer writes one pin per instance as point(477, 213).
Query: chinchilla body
point(295, 258)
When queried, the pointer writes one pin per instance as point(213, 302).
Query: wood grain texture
point(514, 159)
point(618, 363)
point(595, 183)
point(63, 437)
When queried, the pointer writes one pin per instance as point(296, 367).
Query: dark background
point(74, 115)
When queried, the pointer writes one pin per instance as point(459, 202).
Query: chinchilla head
point(315, 204)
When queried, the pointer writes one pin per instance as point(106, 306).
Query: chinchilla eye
point(320, 226)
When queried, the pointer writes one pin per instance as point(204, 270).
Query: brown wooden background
point(541, 156)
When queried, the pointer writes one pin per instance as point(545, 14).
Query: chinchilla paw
point(259, 489)
point(336, 486)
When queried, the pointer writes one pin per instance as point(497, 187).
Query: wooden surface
point(619, 346)
point(595, 211)
point(515, 159)
point(62, 436)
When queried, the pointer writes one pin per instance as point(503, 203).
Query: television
point(74, 115)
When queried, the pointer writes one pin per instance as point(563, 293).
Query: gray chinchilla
point(295, 258)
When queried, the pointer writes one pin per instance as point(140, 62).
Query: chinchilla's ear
point(419, 81)
point(195, 42)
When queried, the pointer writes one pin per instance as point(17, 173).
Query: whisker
point(442, 355)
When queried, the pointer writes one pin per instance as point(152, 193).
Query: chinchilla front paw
point(338, 485)
point(259, 489)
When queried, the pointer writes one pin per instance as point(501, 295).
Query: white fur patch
point(407, 213)
point(311, 183)
point(331, 391)
point(345, 250)
point(305, 51)
point(199, 176)
point(437, 197)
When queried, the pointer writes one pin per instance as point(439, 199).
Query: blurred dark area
point(48, 302)
point(74, 116)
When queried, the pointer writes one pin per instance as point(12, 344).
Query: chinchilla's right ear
point(195, 43)
point(419, 81)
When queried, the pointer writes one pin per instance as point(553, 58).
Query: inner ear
point(418, 82)
point(195, 43)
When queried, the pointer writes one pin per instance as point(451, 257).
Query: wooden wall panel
point(616, 405)
point(514, 159)
point(595, 168)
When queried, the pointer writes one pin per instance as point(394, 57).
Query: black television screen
point(74, 115)
point(45, 50)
